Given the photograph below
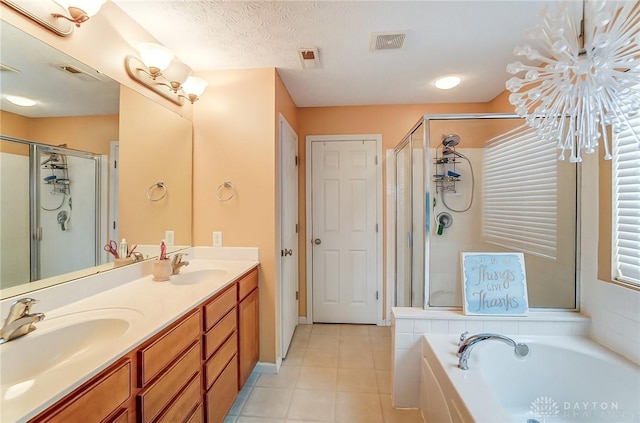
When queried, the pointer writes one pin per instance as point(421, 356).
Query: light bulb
point(155, 57)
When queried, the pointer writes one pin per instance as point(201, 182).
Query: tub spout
point(520, 350)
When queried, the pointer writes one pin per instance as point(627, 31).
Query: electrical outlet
point(217, 239)
point(169, 237)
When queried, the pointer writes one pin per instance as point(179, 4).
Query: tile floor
point(333, 373)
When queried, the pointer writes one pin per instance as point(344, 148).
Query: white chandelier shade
point(585, 77)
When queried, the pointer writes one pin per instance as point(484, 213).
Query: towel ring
point(160, 185)
point(221, 187)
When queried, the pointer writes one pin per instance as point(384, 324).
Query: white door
point(289, 232)
point(344, 219)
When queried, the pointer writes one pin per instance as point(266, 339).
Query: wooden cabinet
point(189, 372)
point(248, 326)
point(103, 398)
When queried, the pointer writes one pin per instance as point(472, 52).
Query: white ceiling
point(471, 39)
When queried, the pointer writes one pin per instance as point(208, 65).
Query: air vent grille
point(387, 40)
point(76, 72)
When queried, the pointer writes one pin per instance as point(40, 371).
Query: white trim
point(113, 193)
point(390, 231)
point(304, 321)
point(271, 368)
point(380, 319)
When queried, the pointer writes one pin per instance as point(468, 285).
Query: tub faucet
point(177, 263)
point(19, 322)
point(467, 344)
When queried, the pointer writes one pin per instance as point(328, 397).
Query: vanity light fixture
point(157, 70)
point(79, 10)
point(586, 76)
point(447, 82)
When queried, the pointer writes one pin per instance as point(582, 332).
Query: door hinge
point(115, 164)
point(376, 160)
point(297, 295)
point(296, 160)
point(114, 225)
point(296, 228)
point(377, 295)
point(376, 228)
point(281, 253)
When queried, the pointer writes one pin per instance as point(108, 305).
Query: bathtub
point(564, 379)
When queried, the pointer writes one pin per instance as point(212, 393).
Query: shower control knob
point(317, 241)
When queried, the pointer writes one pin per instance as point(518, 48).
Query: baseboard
point(304, 321)
point(272, 368)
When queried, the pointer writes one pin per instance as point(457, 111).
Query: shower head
point(450, 140)
point(450, 151)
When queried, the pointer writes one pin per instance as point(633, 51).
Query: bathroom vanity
point(187, 346)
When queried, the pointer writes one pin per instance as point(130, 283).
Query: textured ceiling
point(472, 39)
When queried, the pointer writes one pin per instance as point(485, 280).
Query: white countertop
point(147, 305)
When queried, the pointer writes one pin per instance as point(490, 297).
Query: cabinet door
point(249, 342)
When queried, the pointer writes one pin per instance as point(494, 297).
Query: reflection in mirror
point(78, 107)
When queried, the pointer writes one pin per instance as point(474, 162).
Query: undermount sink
point(60, 341)
point(195, 276)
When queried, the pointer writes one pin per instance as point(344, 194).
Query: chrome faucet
point(467, 344)
point(177, 263)
point(19, 322)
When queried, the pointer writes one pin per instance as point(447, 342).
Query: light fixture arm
point(78, 16)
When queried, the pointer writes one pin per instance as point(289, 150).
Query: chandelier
point(586, 77)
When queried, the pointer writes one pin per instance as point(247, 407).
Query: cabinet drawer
point(153, 399)
point(219, 307)
point(184, 404)
point(99, 400)
point(216, 336)
point(197, 416)
point(121, 416)
point(164, 350)
point(217, 363)
point(248, 284)
point(223, 393)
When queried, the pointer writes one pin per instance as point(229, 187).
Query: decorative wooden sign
point(494, 284)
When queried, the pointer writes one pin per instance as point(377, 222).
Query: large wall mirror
point(62, 197)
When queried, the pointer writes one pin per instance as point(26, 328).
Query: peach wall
point(87, 133)
point(155, 146)
point(13, 125)
point(234, 129)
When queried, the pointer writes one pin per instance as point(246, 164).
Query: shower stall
point(480, 183)
point(51, 211)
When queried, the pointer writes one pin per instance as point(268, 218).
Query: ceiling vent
point(309, 58)
point(77, 72)
point(387, 40)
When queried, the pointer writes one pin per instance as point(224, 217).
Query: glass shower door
point(67, 211)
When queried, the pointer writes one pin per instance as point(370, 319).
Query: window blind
point(520, 193)
point(626, 205)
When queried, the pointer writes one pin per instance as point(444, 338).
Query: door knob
point(317, 241)
point(288, 252)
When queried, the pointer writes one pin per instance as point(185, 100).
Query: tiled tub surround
point(409, 325)
point(585, 381)
point(156, 305)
